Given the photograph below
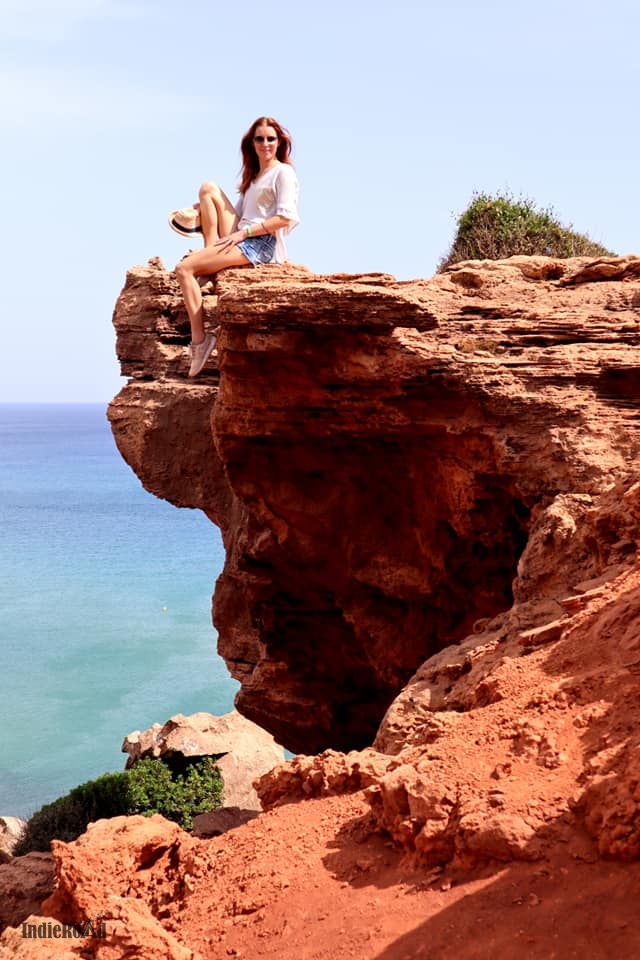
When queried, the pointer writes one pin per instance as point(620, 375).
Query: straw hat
point(186, 222)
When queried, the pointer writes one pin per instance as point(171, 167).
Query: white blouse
point(275, 192)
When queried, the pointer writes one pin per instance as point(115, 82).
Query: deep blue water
point(105, 605)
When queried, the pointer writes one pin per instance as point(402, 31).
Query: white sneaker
point(200, 353)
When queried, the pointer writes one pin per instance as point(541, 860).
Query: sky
point(114, 111)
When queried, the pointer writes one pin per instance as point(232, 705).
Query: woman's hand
point(225, 243)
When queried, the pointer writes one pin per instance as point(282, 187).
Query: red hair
point(250, 162)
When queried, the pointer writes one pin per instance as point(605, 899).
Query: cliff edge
point(377, 455)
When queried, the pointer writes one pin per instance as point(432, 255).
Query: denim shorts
point(259, 249)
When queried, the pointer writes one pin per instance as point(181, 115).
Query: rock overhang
point(374, 452)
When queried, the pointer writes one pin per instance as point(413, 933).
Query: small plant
point(179, 797)
point(500, 226)
point(148, 787)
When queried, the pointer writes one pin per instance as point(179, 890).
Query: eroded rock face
point(377, 455)
point(517, 739)
point(121, 848)
point(24, 883)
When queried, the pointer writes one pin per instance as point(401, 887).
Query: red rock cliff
point(377, 455)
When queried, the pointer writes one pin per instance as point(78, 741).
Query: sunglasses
point(264, 139)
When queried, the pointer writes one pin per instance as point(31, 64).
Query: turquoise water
point(105, 622)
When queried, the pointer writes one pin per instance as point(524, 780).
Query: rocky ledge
point(377, 455)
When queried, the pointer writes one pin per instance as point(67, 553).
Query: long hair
point(250, 162)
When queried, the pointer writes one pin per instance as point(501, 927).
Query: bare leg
point(199, 264)
point(217, 214)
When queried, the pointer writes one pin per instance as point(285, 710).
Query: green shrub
point(64, 819)
point(179, 797)
point(496, 227)
point(148, 787)
point(106, 796)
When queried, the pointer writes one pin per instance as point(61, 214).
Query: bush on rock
point(148, 787)
point(500, 226)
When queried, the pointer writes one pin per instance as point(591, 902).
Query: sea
point(105, 605)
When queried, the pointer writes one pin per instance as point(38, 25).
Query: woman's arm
point(287, 198)
point(270, 225)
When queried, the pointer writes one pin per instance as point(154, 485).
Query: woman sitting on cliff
point(251, 233)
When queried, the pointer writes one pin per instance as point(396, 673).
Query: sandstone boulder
point(24, 883)
point(11, 832)
point(243, 750)
point(126, 856)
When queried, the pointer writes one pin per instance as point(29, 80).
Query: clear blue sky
point(113, 112)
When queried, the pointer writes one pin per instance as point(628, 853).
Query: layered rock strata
point(377, 455)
